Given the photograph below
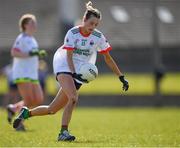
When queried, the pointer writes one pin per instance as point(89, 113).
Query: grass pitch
point(100, 127)
point(140, 84)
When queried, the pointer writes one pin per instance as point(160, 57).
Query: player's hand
point(125, 83)
point(78, 77)
point(42, 53)
point(39, 53)
point(34, 53)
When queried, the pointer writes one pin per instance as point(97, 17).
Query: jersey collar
point(84, 35)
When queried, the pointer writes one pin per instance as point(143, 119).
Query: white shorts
point(60, 63)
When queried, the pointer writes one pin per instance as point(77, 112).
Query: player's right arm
point(17, 49)
point(15, 52)
point(70, 60)
point(69, 45)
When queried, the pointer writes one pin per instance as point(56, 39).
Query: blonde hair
point(89, 6)
point(24, 20)
point(91, 11)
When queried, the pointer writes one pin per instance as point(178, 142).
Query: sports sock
point(64, 127)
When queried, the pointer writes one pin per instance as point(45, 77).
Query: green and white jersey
point(25, 67)
point(85, 49)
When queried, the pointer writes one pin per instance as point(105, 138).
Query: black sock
point(64, 127)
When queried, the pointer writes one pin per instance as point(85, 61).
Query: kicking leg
point(58, 103)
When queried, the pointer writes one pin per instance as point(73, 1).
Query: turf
point(140, 84)
point(100, 127)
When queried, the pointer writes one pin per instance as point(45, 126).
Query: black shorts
point(12, 86)
point(78, 85)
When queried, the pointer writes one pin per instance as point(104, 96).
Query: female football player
point(25, 67)
point(81, 45)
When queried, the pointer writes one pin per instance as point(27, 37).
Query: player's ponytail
point(91, 11)
point(89, 6)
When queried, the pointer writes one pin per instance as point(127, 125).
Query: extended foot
point(21, 127)
point(65, 136)
point(10, 113)
point(24, 114)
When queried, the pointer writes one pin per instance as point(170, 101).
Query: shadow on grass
point(26, 131)
point(88, 141)
point(81, 141)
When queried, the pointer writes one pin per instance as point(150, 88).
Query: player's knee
point(73, 98)
point(51, 111)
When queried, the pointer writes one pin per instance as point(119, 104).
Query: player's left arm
point(113, 66)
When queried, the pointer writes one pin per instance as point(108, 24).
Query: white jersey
point(25, 67)
point(84, 48)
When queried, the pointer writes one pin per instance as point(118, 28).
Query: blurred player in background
point(42, 74)
point(81, 45)
point(25, 52)
point(12, 94)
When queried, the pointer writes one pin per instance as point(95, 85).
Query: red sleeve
point(16, 49)
point(105, 50)
point(68, 48)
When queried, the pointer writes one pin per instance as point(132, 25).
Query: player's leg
point(67, 93)
point(67, 113)
point(38, 97)
point(26, 93)
point(59, 102)
point(69, 88)
point(25, 90)
point(31, 93)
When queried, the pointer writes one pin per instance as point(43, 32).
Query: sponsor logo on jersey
point(85, 52)
point(83, 42)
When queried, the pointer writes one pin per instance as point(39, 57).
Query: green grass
point(140, 84)
point(100, 127)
